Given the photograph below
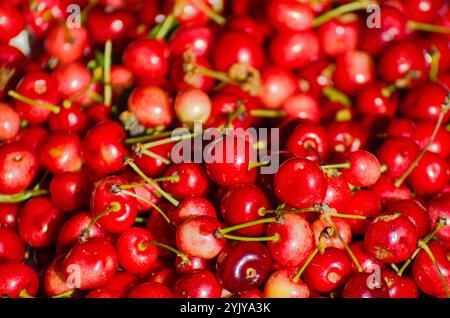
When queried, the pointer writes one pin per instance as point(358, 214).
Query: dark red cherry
point(61, 153)
point(9, 214)
point(16, 278)
point(289, 15)
point(199, 40)
point(364, 169)
point(18, 168)
point(109, 25)
point(309, 141)
point(122, 283)
point(167, 277)
point(122, 207)
point(254, 293)
point(39, 222)
point(241, 204)
point(399, 286)
point(415, 212)
point(162, 230)
point(368, 264)
point(439, 207)
point(190, 207)
point(398, 153)
point(243, 266)
point(9, 122)
point(192, 181)
point(328, 271)
point(401, 127)
point(11, 246)
point(150, 290)
point(358, 287)
point(66, 48)
point(364, 203)
point(338, 194)
point(280, 285)
point(102, 148)
point(91, 264)
point(232, 47)
point(12, 22)
point(196, 237)
point(295, 243)
point(391, 238)
point(70, 191)
point(277, 85)
point(295, 172)
point(199, 285)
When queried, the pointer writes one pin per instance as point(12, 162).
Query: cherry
point(387, 191)
point(39, 222)
point(339, 36)
point(424, 131)
point(198, 40)
point(358, 287)
point(277, 85)
point(415, 212)
point(61, 153)
point(401, 127)
point(66, 45)
point(11, 246)
point(115, 211)
point(425, 273)
point(150, 290)
point(104, 25)
point(297, 171)
point(338, 194)
point(364, 169)
point(295, 241)
point(192, 105)
point(122, 283)
point(347, 136)
point(151, 106)
point(69, 191)
point(391, 238)
point(154, 167)
point(228, 161)
point(439, 207)
point(162, 231)
point(196, 237)
point(328, 271)
point(326, 236)
point(233, 47)
point(94, 262)
point(250, 25)
point(398, 153)
point(183, 79)
point(195, 265)
point(243, 266)
point(134, 252)
point(372, 102)
point(102, 148)
point(294, 50)
point(424, 10)
point(364, 203)
point(73, 231)
point(9, 214)
point(70, 120)
point(191, 181)
point(54, 282)
point(102, 293)
point(72, 79)
point(12, 22)
point(145, 191)
point(191, 207)
point(17, 279)
point(368, 263)
point(399, 287)
point(199, 285)
point(281, 285)
point(289, 15)
point(167, 277)
point(121, 78)
point(9, 122)
point(309, 141)
point(18, 168)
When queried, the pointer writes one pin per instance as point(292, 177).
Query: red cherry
point(192, 181)
point(289, 15)
point(254, 293)
point(16, 278)
point(167, 277)
point(121, 78)
point(399, 287)
point(9, 214)
point(71, 79)
point(250, 25)
point(401, 127)
point(322, 229)
point(427, 11)
point(338, 194)
point(328, 271)
point(161, 230)
point(9, 122)
point(424, 131)
point(368, 264)
point(415, 212)
point(309, 141)
point(147, 58)
point(105, 25)
point(154, 167)
point(277, 85)
point(191, 207)
point(69, 191)
point(199, 40)
point(145, 191)
point(18, 168)
point(94, 262)
point(371, 101)
point(183, 80)
point(295, 241)
point(70, 120)
point(12, 22)
point(196, 237)
point(439, 207)
point(32, 137)
point(243, 266)
point(341, 35)
point(241, 204)
point(200, 285)
point(102, 293)
point(281, 285)
point(150, 290)
point(364, 169)
point(430, 176)
point(65, 48)
point(387, 191)
point(122, 283)
point(54, 282)
point(297, 171)
point(398, 153)
point(347, 136)
point(358, 287)
point(61, 153)
point(102, 148)
point(364, 203)
point(391, 238)
point(11, 246)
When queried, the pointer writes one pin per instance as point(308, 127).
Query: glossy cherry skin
point(9, 122)
point(278, 85)
point(9, 214)
point(66, 50)
point(12, 22)
point(18, 168)
point(61, 153)
point(193, 181)
point(32, 137)
point(368, 264)
point(11, 246)
point(427, 11)
point(150, 290)
point(69, 120)
point(399, 286)
point(70, 191)
point(39, 222)
point(241, 204)
point(424, 129)
point(439, 207)
point(133, 253)
point(425, 273)
point(415, 212)
point(73, 231)
point(236, 47)
point(398, 153)
point(162, 231)
point(280, 285)
point(364, 169)
point(339, 36)
point(71, 79)
point(102, 148)
point(322, 228)
point(250, 25)
point(195, 265)
point(197, 39)
point(195, 206)
point(104, 25)
point(289, 15)
point(387, 191)
point(227, 169)
point(430, 176)
point(304, 106)
point(95, 261)
point(199, 285)
point(371, 101)
point(309, 141)
point(294, 50)
point(137, 56)
point(358, 287)
point(145, 191)
point(243, 266)
point(167, 277)
point(295, 172)
point(154, 167)
point(122, 283)
point(364, 203)
point(54, 282)
point(328, 271)
point(196, 237)
point(103, 199)
point(295, 243)
point(338, 194)
point(17, 277)
point(346, 136)
point(391, 238)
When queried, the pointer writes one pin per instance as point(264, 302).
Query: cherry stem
point(68, 102)
point(425, 27)
point(66, 294)
point(222, 232)
point(268, 113)
point(349, 216)
point(263, 212)
point(165, 27)
point(388, 90)
point(445, 108)
point(210, 13)
point(95, 97)
point(134, 195)
point(69, 36)
point(147, 137)
point(302, 269)
point(23, 294)
point(345, 165)
point(155, 156)
point(53, 108)
point(220, 76)
point(168, 197)
point(346, 8)
point(169, 140)
point(114, 207)
point(273, 238)
point(87, 9)
point(184, 257)
point(434, 68)
point(140, 220)
point(433, 260)
point(22, 196)
point(253, 165)
point(107, 73)
point(349, 251)
point(336, 96)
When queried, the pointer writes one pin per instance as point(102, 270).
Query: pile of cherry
point(91, 204)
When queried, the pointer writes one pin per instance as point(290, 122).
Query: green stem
point(115, 207)
point(67, 294)
point(435, 59)
point(302, 269)
point(345, 165)
point(169, 140)
point(346, 8)
point(433, 260)
point(273, 238)
point(263, 212)
point(426, 27)
point(220, 76)
point(147, 138)
point(53, 108)
point(183, 256)
point(107, 73)
point(155, 156)
point(222, 232)
point(166, 27)
point(213, 15)
point(22, 196)
point(23, 294)
point(134, 195)
point(140, 220)
point(268, 113)
point(336, 96)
